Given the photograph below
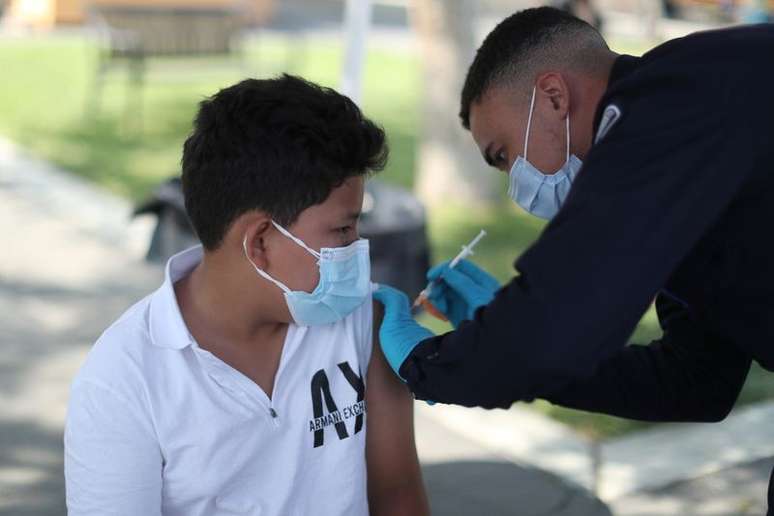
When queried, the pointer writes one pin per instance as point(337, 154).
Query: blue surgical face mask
point(541, 194)
point(345, 282)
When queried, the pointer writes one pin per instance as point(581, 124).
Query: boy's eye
point(344, 230)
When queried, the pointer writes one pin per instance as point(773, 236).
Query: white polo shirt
point(157, 425)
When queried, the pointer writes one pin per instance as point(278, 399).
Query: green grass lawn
point(46, 90)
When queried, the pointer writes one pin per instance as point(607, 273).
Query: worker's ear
point(252, 230)
point(552, 87)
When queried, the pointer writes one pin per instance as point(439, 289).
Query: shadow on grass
point(131, 162)
point(128, 162)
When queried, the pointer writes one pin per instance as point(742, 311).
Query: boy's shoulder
point(377, 313)
point(118, 358)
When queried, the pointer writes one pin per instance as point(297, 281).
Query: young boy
point(251, 382)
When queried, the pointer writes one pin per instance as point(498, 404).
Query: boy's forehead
point(344, 202)
point(347, 198)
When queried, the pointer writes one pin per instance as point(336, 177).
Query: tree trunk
point(450, 165)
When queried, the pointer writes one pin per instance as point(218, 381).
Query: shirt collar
point(167, 327)
point(623, 66)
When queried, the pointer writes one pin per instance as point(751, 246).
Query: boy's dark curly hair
point(276, 145)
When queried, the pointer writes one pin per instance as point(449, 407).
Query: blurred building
point(45, 14)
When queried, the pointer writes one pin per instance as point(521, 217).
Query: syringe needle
point(467, 250)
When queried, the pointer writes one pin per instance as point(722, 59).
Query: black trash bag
point(173, 232)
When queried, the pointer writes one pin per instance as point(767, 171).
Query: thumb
point(394, 300)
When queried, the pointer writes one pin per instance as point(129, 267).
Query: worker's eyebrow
point(353, 215)
point(487, 157)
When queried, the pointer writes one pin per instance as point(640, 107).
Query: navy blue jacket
point(676, 203)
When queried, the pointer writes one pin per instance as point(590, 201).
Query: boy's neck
point(228, 319)
point(222, 306)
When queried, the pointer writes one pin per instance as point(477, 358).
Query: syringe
point(467, 250)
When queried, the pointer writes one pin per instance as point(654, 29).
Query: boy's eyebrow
point(354, 215)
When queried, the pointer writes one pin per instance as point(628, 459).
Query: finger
point(468, 267)
point(437, 271)
point(460, 283)
point(438, 294)
point(492, 285)
point(385, 295)
point(477, 274)
point(390, 297)
point(432, 310)
point(439, 304)
point(488, 281)
point(394, 301)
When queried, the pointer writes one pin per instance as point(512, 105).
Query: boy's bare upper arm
point(384, 386)
point(390, 450)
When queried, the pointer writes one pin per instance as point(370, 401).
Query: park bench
point(130, 34)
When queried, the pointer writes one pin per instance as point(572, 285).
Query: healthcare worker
point(657, 174)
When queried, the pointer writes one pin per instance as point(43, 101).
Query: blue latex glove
point(461, 291)
point(399, 333)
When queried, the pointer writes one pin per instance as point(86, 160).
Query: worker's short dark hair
point(276, 145)
point(524, 43)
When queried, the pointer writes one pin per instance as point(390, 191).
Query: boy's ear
point(252, 233)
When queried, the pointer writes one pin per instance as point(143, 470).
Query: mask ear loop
point(264, 274)
point(296, 240)
point(529, 120)
point(567, 154)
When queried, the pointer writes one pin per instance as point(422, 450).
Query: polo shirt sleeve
point(113, 463)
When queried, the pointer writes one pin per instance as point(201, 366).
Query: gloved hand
point(399, 333)
point(460, 291)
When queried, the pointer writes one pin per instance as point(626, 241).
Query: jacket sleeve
point(688, 375)
point(647, 193)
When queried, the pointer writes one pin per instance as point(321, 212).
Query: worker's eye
point(344, 230)
point(500, 159)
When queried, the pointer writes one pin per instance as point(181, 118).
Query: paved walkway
point(685, 469)
point(733, 491)
point(70, 264)
point(65, 271)
point(466, 478)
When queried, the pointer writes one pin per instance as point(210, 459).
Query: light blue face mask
point(345, 282)
point(541, 194)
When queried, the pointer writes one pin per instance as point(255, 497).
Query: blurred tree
point(450, 166)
